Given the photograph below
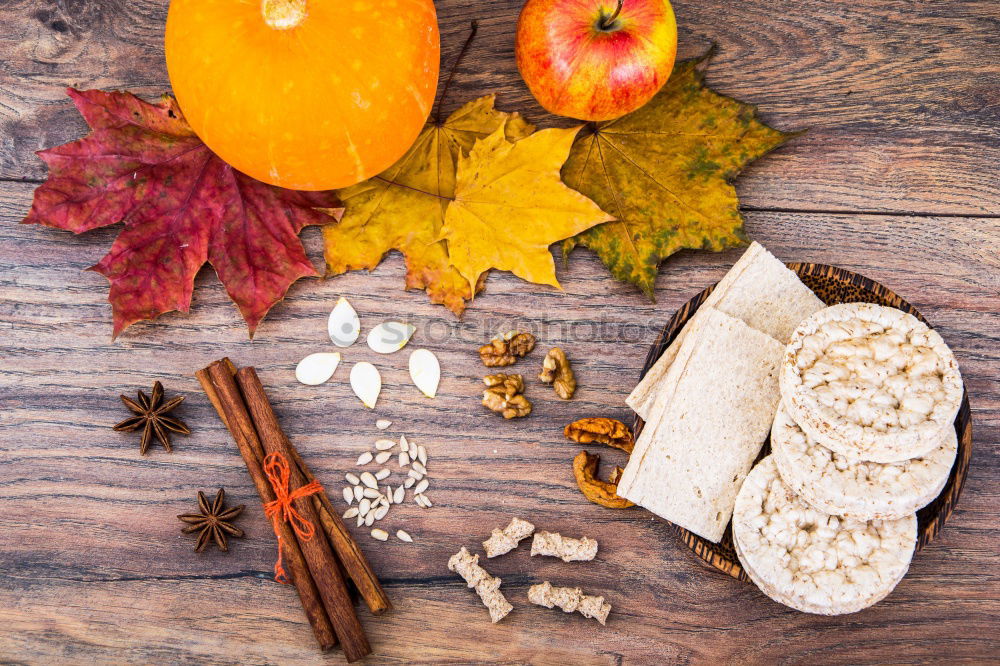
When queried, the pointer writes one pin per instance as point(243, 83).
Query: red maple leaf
point(182, 206)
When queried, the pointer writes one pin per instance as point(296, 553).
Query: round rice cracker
point(809, 560)
point(837, 485)
point(870, 382)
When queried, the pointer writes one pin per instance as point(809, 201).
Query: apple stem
point(473, 28)
point(608, 22)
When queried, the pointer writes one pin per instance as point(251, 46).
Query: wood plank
point(901, 99)
point(93, 566)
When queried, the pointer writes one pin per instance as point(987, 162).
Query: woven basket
point(832, 285)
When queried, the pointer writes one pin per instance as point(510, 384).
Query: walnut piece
point(603, 430)
point(557, 371)
point(507, 349)
point(505, 540)
point(569, 599)
point(487, 587)
point(505, 395)
point(600, 492)
point(567, 549)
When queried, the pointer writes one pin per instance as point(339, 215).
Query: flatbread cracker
point(760, 290)
point(840, 486)
point(812, 561)
point(707, 430)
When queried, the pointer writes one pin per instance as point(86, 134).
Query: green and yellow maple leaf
point(403, 208)
point(510, 205)
point(665, 172)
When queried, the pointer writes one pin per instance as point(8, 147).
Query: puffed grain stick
point(569, 599)
point(567, 549)
point(506, 540)
point(487, 586)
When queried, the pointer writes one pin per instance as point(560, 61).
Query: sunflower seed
point(384, 444)
point(380, 514)
point(404, 459)
point(399, 495)
point(381, 535)
point(427, 501)
point(421, 487)
point(415, 475)
point(403, 444)
point(383, 457)
point(409, 482)
point(352, 479)
point(382, 473)
point(368, 479)
point(364, 506)
point(422, 454)
point(419, 467)
point(359, 492)
point(382, 424)
point(351, 513)
point(388, 495)
point(403, 536)
point(365, 458)
point(418, 500)
point(372, 493)
point(361, 520)
point(348, 494)
point(370, 519)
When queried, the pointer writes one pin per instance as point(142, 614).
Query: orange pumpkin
point(305, 94)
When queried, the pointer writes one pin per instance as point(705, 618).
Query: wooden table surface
point(897, 179)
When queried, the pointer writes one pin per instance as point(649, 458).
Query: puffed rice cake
point(809, 560)
point(870, 382)
point(841, 486)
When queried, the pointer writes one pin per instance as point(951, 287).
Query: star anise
point(152, 417)
point(213, 521)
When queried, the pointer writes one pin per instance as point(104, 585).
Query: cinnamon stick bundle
point(316, 564)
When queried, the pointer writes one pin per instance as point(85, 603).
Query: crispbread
point(706, 430)
point(809, 560)
point(839, 486)
point(870, 382)
point(760, 290)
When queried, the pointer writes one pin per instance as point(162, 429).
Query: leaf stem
point(473, 28)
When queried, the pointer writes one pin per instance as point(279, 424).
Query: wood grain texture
point(902, 101)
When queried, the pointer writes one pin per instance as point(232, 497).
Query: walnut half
point(505, 395)
point(507, 349)
point(556, 370)
point(602, 430)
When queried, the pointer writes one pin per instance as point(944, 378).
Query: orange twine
point(281, 509)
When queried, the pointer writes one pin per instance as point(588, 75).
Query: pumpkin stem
point(283, 14)
point(461, 54)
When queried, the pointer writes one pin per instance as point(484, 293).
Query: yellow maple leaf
point(666, 172)
point(510, 205)
point(403, 207)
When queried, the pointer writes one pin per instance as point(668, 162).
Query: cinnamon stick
point(347, 549)
point(317, 552)
point(222, 391)
point(349, 554)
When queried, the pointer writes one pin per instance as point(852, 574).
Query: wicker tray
point(832, 285)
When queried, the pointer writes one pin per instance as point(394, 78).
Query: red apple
point(594, 59)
